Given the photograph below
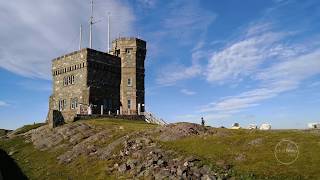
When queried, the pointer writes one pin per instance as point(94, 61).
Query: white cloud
point(186, 19)
point(34, 33)
point(2, 104)
point(244, 57)
point(293, 70)
point(175, 72)
point(187, 92)
point(279, 78)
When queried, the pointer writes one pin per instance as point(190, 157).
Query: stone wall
point(132, 52)
point(97, 116)
point(70, 65)
point(104, 74)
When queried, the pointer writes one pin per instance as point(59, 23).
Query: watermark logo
point(286, 152)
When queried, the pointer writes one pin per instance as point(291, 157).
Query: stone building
point(93, 82)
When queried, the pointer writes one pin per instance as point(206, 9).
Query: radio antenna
point(91, 23)
point(80, 40)
point(108, 47)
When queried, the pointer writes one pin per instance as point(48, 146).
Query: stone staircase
point(150, 118)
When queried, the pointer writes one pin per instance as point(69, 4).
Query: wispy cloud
point(173, 73)
point(3, 103)
point(279, 78)
point(187, 18)
point(262, 55)
point(187, 92)
point(34, 33)
point(243, 57)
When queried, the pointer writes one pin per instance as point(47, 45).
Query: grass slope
point(27, 128)
point(236, 148)
point(225, 145)
point(36, 164)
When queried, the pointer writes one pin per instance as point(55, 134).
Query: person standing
point(202, 121)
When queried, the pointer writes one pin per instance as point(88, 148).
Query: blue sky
point(251, 61)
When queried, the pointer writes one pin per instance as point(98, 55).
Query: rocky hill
point(121, 149)
point(4, 132)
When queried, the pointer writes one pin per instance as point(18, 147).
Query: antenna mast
point(108, 33)
point(80, 41)
point(91, 23)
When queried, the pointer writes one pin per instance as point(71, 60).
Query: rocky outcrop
point(143, 157)
point(135, 155)
point(180, 130)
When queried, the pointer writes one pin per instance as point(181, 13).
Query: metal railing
point(150, 118)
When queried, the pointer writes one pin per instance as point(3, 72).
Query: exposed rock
point(176, 131)
point(122, 168)
point(104, 153)
point(137, 155)
point(240, 157)
point(256, 141)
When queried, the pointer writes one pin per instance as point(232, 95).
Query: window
point(117, 52)
point(129, 103)
point(68, 80)
point(129, 82)
point(65, 81)
point(62, 104)
point(74, 103)
point(72, 79)
point(129, 50)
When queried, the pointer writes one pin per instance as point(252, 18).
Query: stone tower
point(132, 52)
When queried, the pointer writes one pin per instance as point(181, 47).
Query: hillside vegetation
point(122, 149)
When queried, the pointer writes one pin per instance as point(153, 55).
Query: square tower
point(132, 52)
point(84, 78)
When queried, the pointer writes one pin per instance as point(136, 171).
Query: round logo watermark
point(286, 152)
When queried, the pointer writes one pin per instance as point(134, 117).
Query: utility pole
point(91, 23)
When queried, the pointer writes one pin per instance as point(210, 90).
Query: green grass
point(224, 145)
point(259, 159)
point(27, 128)
point(37, 164)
